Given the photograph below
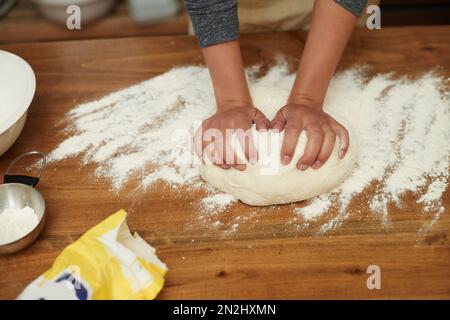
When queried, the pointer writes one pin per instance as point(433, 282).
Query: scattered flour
point(218, 202)
point(16, 223)
point(403, 127)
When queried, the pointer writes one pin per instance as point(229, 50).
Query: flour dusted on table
point(16, 223)
point(134, 129)
point(402, 126)
point(217, 202)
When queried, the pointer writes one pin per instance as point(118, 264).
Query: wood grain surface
point(266, 258)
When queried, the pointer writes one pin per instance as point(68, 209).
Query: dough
point(269, 182)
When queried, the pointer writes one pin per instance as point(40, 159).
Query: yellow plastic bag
point(107, 263)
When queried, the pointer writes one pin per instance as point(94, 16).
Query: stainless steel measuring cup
point(17, 192)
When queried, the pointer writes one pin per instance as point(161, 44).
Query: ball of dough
point(269, 182)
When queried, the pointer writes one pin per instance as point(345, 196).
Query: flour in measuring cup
point(16, 223)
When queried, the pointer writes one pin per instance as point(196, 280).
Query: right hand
point(321, 131)
point(217, 130)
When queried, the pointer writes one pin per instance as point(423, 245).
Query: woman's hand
point(330, 28)
point(235, 110)
point(321, 131)
point(217, 130)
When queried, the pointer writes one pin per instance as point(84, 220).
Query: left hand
point(321, 131)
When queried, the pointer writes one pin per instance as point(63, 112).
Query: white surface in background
point(17, 86)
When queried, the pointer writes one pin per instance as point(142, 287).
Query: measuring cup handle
point(24, 179)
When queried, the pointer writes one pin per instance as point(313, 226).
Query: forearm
point(227, 73)
point(217, 29)
point(331, 27)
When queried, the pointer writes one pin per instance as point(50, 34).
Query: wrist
point(305, 100)
point(234, 103)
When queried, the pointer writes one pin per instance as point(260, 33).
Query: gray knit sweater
point(216, 21)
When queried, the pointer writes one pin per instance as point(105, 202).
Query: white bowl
point(90, 9)
point(17, 87)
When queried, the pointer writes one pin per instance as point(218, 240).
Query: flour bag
point(106, 263)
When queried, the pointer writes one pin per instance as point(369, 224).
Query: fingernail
point(341, 153)
point(286, 159)
point(240, 167)
point(303, 167)
point(317, 164)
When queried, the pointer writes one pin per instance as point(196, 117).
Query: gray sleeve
point(354, 6)
point(214, 21)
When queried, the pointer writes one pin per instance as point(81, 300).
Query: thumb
point(278, 122)
point(261, 122)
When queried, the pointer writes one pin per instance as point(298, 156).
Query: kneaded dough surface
point(269, 182)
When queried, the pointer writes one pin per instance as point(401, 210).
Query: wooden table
point(263, 260)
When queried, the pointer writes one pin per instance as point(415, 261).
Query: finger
point(230, 155)
point(242, 136)
point(291, 134)
point(261, 122)
point(314, 134)
point(218, 151)
point(211, 151)
point(278, 122)
point(343, 135)
point(327, 147)
point(247, 143)
point(237, 161)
